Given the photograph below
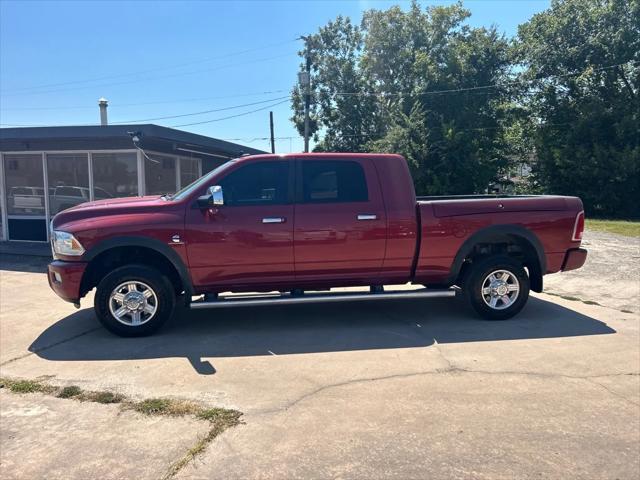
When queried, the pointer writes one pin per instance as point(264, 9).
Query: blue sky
point(157, 59)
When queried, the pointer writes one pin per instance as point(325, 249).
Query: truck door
point(340, 222)
point(248, 240)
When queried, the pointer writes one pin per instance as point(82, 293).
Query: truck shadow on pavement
point(310, 328)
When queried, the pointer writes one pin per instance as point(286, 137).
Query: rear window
point(333, 182)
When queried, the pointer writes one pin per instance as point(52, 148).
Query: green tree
point(421, 83)
point(581, 62)
point(343, 117)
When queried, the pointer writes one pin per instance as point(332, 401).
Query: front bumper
point(65, 279)
point(574, 258)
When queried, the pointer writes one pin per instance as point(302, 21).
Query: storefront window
point(160, 174)
point(114, 175)
point(1, 216)
point(188, 171)
point(68, 180)
point(24, 187)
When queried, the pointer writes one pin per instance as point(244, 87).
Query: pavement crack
point(436, 345)
point(47, 347)
point(448, 370)
point(572, 298)
point(312, 393)
point(615, 394)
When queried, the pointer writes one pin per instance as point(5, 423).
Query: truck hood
point(113, 206)
point(119, 202)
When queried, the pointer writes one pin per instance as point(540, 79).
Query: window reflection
point(188, 171)
point(160, 174)
point(24, 187)
point(115, 175)
point(68, 180)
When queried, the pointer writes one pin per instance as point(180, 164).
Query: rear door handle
point(367, 216)
point(274, 220)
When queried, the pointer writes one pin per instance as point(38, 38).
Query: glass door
point(25, 194)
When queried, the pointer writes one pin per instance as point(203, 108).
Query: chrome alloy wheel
point(133, 303)
point(500, 289)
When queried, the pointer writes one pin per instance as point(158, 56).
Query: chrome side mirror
point(217, 197)
point(213, 198)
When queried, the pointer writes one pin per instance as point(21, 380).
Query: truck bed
point(432, 198)
point(448, 222)
point(448, 206)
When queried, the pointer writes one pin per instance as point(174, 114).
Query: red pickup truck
point(304, 223)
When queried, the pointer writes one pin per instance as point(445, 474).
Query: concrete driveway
point(400, 389)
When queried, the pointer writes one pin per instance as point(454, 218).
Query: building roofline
point(118, 131)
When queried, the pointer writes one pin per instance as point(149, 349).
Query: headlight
point(64, 243)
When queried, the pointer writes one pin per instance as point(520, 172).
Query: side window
point(261, 183)
point(333, 181)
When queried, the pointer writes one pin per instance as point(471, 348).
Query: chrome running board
point(255, 300)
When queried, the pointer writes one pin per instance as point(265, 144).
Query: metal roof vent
point(103, 103)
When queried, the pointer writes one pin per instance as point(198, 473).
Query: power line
point(201, 112)
point(354, 94)
point(166, 67)
point(481, 87)
point(231, 116)
point(153, 78)
point(159, 102)
point(270, 92)
point(255, 139)
point(282, 100)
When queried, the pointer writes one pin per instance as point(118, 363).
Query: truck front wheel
point(497, 287)
point(134, 300)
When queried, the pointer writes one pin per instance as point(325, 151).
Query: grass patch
point(567, 297)
point(166, 406)
point(102, 397)
point(573, 299)
point(620, 227)
point(221, 415)
point(219, 419)
point(193, 452)
point(70, 392)
point(26, 386)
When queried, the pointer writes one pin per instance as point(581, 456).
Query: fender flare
point(486, 234)
point(146, 242)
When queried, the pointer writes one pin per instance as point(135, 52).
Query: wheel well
point(512, 245)
point(116, 257)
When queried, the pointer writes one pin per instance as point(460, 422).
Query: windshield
point(200, 182)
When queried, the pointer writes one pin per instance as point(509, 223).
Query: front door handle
point(367, 216)
point(274, 220)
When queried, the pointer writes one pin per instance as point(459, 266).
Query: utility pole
point(273, 140)
point(304, 78)
point(307, 104)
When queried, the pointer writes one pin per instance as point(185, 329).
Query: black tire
point(163, 300)
point(480, 272)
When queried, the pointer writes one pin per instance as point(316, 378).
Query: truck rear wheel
point(497, 287)
point(134, 300)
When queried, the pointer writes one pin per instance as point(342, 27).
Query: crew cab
point(302, 223)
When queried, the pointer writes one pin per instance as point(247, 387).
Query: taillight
point(578, 227)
